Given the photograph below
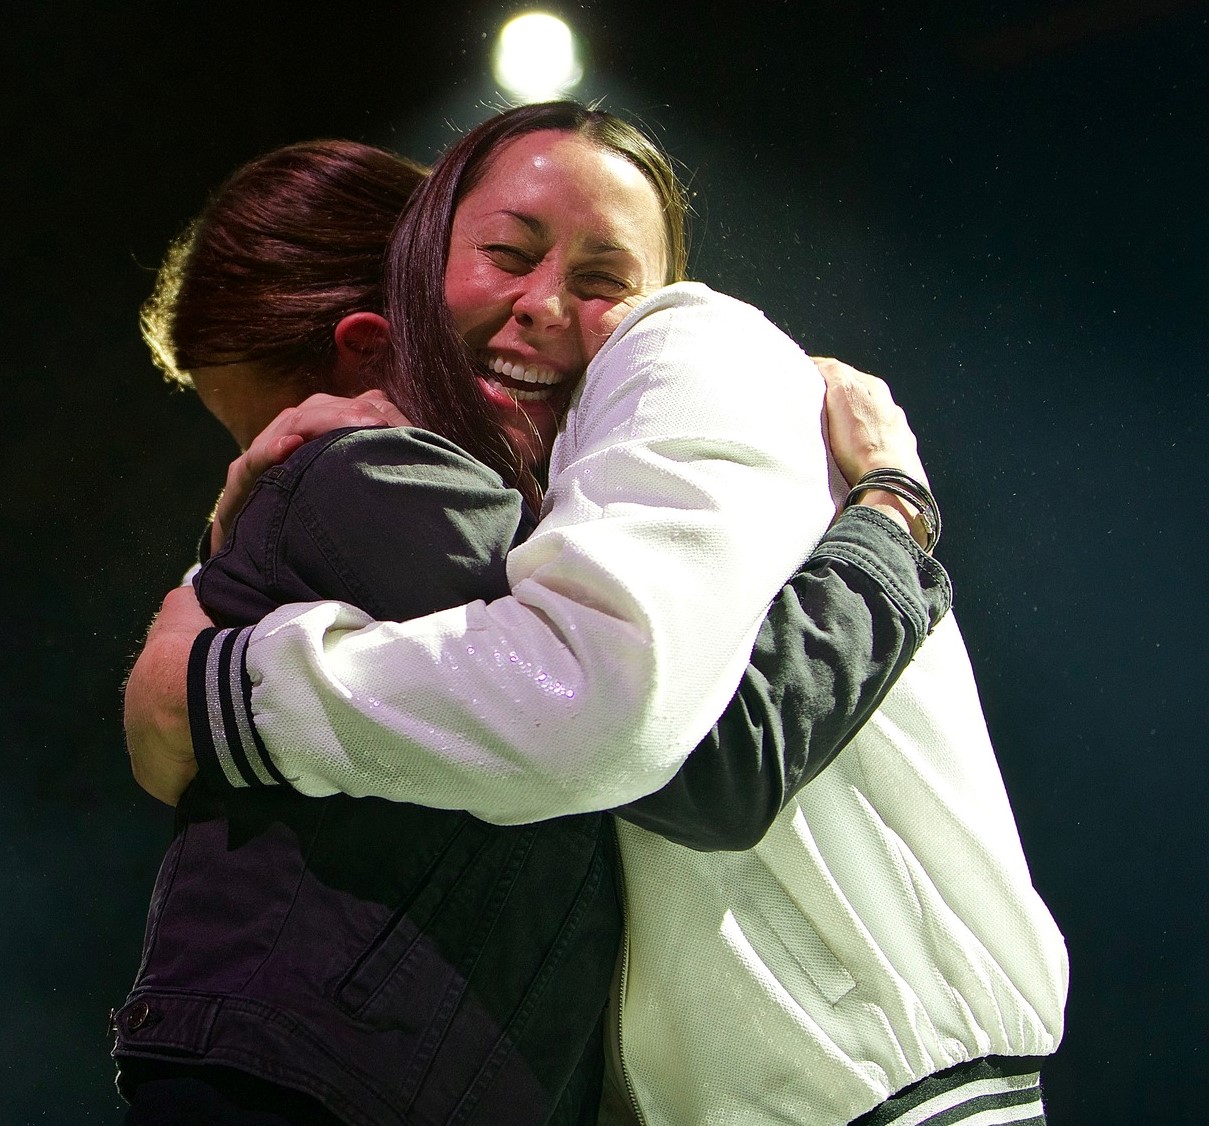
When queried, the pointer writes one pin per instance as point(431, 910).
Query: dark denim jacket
point(399, 964)
point(834, 641)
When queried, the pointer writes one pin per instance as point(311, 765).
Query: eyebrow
point(539, 230)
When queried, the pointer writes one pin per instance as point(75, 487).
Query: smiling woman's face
point(547, 253)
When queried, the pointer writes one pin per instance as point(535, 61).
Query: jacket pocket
point(788, 944)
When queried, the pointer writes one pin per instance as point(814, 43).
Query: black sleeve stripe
point(208, 764)
point(241, 692)
point(999, 1089)
point(246, 749)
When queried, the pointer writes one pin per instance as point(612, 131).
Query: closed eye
point(601, 284)
point(510, 258)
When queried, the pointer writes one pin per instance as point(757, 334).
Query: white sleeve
point(689, 482)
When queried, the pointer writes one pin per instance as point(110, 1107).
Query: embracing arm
point(833, 642)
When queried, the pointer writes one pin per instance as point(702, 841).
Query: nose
point(544, 302)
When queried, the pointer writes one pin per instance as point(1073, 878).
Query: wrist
point(903, 514)
point(904, 499)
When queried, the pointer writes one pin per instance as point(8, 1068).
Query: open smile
point(524, 382)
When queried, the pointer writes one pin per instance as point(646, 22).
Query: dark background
point(999, 207)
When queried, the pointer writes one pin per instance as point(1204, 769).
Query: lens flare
point(535, 58)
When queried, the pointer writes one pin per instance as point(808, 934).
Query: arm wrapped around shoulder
point(834, 642)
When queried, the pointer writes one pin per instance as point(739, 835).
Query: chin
point(530, 426)
point(531, 442)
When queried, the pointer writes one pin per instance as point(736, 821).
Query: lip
point(529, 425)
point(503, 388)
point(505, 398)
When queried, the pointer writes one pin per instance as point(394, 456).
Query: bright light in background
point(535, 58)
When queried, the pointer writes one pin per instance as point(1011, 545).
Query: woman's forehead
point(558, 173)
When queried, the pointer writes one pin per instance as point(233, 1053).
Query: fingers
point(321, 413)
point(866, 428)
point(318, 415)
point(242, 475)
point(265, 452)
point(844, 378)
point(389, 413)
point(830, 367)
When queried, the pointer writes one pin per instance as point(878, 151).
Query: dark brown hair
point(290, 244)
point(431, 369)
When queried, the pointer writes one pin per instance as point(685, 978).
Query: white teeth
point(524, 396)
point(522, 374)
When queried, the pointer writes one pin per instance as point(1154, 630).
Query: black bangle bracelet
point(912, 491)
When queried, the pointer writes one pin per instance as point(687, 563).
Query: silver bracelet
point(912, 491)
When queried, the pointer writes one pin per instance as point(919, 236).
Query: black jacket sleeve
point(400, 523)
point(833, 643)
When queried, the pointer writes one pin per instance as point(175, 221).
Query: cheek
point(473, 301)
point(599, 326)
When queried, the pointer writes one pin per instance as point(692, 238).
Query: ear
point(360, 340)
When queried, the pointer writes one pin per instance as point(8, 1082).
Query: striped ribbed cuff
point(993, 1091)
point(228, 749)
